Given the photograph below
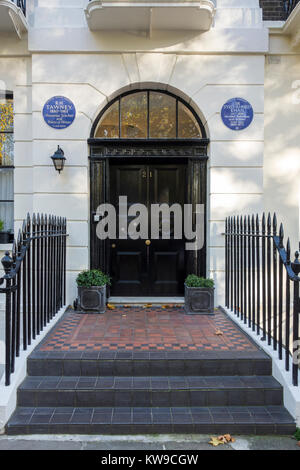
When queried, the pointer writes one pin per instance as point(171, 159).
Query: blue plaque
point(237, 114)
point(59, 112)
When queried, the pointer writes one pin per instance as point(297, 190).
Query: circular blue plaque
point(237, 114)
point(59, 112)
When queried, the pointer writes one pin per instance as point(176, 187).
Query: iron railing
point(289, 6)
point(34, 283)
point(262, 283)
point(21, 4)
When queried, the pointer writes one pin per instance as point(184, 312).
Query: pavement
point(146, 443)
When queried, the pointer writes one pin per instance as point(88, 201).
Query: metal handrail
point(21, 4)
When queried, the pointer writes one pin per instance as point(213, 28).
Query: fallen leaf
point(147, 305)
point(215, 441)
point(126, 306)
point(219, 333)
point(111, 306)
point(224, 439)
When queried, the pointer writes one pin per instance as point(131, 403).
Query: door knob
point(113, 245)
point(148, 242)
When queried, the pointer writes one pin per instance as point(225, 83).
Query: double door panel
point(147, 266)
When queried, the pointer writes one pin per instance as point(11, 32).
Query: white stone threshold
point(291, 394)
point(146, 300)
point(8, 394)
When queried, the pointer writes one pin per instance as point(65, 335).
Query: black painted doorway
point(147, 267)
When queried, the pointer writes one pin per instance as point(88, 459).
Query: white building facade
point(201, 54)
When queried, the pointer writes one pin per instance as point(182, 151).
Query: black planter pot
point(4, 237)
point(91, 299)
point(199, 300)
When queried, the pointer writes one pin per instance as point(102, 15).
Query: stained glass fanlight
point(148, 115)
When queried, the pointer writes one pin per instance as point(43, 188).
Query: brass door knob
point(113, 245)
point(148, 242)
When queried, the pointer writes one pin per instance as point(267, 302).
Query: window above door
point(148, 114)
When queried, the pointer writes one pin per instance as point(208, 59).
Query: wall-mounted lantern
point(59, 159)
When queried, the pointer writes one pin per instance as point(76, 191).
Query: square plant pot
point(91, 299)
point(4, 238)
point(199, 300)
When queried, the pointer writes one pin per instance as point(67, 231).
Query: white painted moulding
point(288, 28)
point(8, 394)
point(150, 15)
point(291, 393)
point(12, 18)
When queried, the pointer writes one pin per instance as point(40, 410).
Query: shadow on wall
point(282, 136)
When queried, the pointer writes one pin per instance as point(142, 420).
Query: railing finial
point(7, 262)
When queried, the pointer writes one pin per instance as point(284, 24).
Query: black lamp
point(59, 159)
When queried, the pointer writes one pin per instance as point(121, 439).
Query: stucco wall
point(282, 136)
point(90, 68)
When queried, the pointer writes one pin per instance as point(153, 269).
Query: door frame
point(194, 151)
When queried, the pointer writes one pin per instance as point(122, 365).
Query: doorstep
point(146, 328)
point(146, 300)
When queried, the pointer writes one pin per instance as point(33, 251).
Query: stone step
point(150, 391)
point(144, 420)
point(140, 363)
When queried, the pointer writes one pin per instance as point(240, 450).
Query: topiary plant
point(1, 225)
point(297, 434)
point(195, 281)
point(92, 278)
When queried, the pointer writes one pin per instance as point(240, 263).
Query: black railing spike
point(274, 224)
point(288, 251)
point(19, 236)
point(281, 235)
point(257, 222)
point(269, 223)
point(14, 247)
point(263, 222)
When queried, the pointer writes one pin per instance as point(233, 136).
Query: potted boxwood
point(91, 285)
point(4, 236)
point(199, 295)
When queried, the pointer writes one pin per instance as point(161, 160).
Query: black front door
point(147, 267)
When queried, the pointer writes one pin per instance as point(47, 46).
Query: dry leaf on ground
point(224, 439)
point(215, 441)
